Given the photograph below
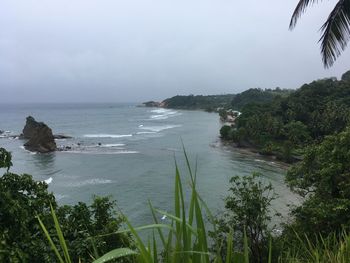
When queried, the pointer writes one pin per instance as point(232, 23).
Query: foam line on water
point(98, 153)
point(160, 110)
point(23, 148)
point(94, 181)
point(102, 135)
point(146, 132)
point(110, 145)
point(159, 128)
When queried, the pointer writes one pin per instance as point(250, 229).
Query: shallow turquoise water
point(135, 159)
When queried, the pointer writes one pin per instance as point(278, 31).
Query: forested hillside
point(257, 96)
point(285, 125)
point(199, 102)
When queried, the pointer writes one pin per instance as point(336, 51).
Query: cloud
point(143, 49)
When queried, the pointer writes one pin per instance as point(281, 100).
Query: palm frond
point(299, 10)
point(336, 32)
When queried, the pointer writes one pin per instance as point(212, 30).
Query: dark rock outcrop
point(39, 135)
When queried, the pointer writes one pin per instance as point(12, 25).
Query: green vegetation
point(323, 178)
point(286, 125)
point(81, 233)
point(22, 199)
point(247, 212)
point(199, 102)
point(182, 239)
point(257, 96)
point(310, 125)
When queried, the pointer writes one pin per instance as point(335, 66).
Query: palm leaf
point(336, 32)
point(299, 10)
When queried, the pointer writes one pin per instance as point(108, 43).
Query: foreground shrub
point(22, 199)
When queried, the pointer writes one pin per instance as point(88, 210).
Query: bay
point(129, 153)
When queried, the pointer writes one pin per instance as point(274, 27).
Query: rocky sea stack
point(39, 135)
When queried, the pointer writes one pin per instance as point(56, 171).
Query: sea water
point(129, 153)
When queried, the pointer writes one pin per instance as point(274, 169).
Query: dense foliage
point(312, 121)
point(22, 199)
point(248, 210)
point(191, 102)
point(323, 178)
point(257, 96)
point(285, 125)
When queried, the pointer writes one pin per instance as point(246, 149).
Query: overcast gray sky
point(136, 50)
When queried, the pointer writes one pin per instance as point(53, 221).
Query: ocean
point(129, 153)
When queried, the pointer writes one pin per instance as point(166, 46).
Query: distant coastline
point(210, 103)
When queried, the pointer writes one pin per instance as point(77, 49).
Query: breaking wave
point(159, 128)
point(110, 145)
point(162, 114)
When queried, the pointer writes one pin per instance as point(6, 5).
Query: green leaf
point(53, 246)
point(114, 254)
point(60, 236)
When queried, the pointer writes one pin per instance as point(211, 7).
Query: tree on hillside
point(323, 178)
point(335, 31)
point(346, 76)
point(248, 210)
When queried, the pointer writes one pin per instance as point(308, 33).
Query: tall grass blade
point(269, 259)
point(53, 246)
point(168, 248)
point(245, 247)
point(151, 226)
point(229, 247)
point(184, 228)
point(161, 235)
point(144, 253)
point(202, 236)
point(60, 236)
point(177, 219)
point(188, 164)
point(155, 253)
point(94, 248)
point(114, 254)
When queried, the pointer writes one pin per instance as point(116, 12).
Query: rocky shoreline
point(39, 137)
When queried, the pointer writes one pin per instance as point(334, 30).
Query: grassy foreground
point(185, 238)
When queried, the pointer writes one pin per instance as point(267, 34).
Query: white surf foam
point(108, 145)
point(160, 128)
point(98, 153)
point(162, 114)
point(159, 117)
point(107, 135)
point(160, 110)
point(23, 148)
point(146, 132)
point(48, 180)
point(94, 181)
